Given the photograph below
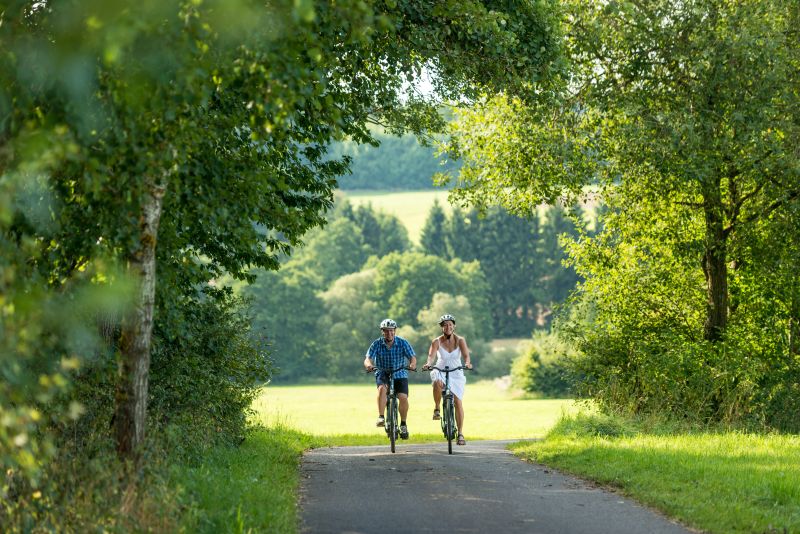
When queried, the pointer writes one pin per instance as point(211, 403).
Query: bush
point(592, 425)
point(494, 363)
point(545, 367)
point(742, 380)
point(203, 381)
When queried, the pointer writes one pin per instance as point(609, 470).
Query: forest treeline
point(399, 163)
point(499, 274)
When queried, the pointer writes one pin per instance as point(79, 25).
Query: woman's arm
point(462, 344)
point(432, 351)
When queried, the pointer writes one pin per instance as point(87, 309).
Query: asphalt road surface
point(479, 488)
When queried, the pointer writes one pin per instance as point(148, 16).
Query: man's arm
point(369, 363)
point(411, 356)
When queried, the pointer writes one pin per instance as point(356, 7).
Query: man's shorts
point(400, 384)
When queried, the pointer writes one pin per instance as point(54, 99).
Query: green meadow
point(345, 414)
point(411, 207)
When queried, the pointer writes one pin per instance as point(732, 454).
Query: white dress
point(452, 360)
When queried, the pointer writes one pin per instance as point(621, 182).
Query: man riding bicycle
point(391, 352)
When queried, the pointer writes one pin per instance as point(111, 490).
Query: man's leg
point(403, 405)
point(403, 401)
point(382, 390)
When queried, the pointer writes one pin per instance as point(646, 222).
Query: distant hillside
point(411, 207)
point(398, 164)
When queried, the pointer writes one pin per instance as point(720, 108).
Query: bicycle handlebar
point(447, 369)
point(390, 371)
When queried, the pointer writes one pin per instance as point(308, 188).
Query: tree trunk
point(136, 331)
point(715, 266)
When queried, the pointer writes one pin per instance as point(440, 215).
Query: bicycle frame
point(392, 419)
point(448, 420)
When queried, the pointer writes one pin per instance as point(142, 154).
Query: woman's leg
point(459, 414)
point(438, 385)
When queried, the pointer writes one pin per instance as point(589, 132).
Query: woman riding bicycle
point(449, 349)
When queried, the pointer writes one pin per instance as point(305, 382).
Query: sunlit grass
point(411, 207)
point(346, 414)
point(720, 482)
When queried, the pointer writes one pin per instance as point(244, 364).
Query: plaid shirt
point(391, 358)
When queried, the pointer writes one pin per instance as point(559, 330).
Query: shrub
point(204, 380)
point(545, 367)
point(494, 363)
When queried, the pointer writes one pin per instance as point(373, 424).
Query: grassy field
point(718, 481)
point(411, 207)
point(346, 414)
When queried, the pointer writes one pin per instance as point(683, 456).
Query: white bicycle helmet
point(387, 323)
point(446, 317)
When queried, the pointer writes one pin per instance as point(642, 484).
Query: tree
point(383, 233)
point(292, 333)
point(678, 116)
point(337, 250)
point(521, 260)
point(558, 280)
point(351, 318)
point(401, 163)
point(406, 283)
point(432, 239)
point(189, 139)
point(687, 101)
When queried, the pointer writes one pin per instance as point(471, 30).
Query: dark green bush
point(206, 370)
point(545, 368)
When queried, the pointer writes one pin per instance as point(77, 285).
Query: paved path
point(480, 488)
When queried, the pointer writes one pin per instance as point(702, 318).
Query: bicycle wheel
point(450, 424)
point(392, 421)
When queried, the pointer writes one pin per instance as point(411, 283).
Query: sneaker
point(436, 414)
point(403, 432)
point(381, 421)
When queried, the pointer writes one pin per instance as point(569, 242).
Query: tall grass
point(719, 481)
point(250, 488)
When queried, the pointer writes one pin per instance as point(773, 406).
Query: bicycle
point(448, 420)
point(392, 419)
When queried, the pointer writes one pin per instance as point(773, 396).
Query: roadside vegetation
point(714, 479)
point(249, 488)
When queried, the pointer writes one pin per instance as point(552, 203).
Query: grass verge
point(722, 482)
point(250, 488)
